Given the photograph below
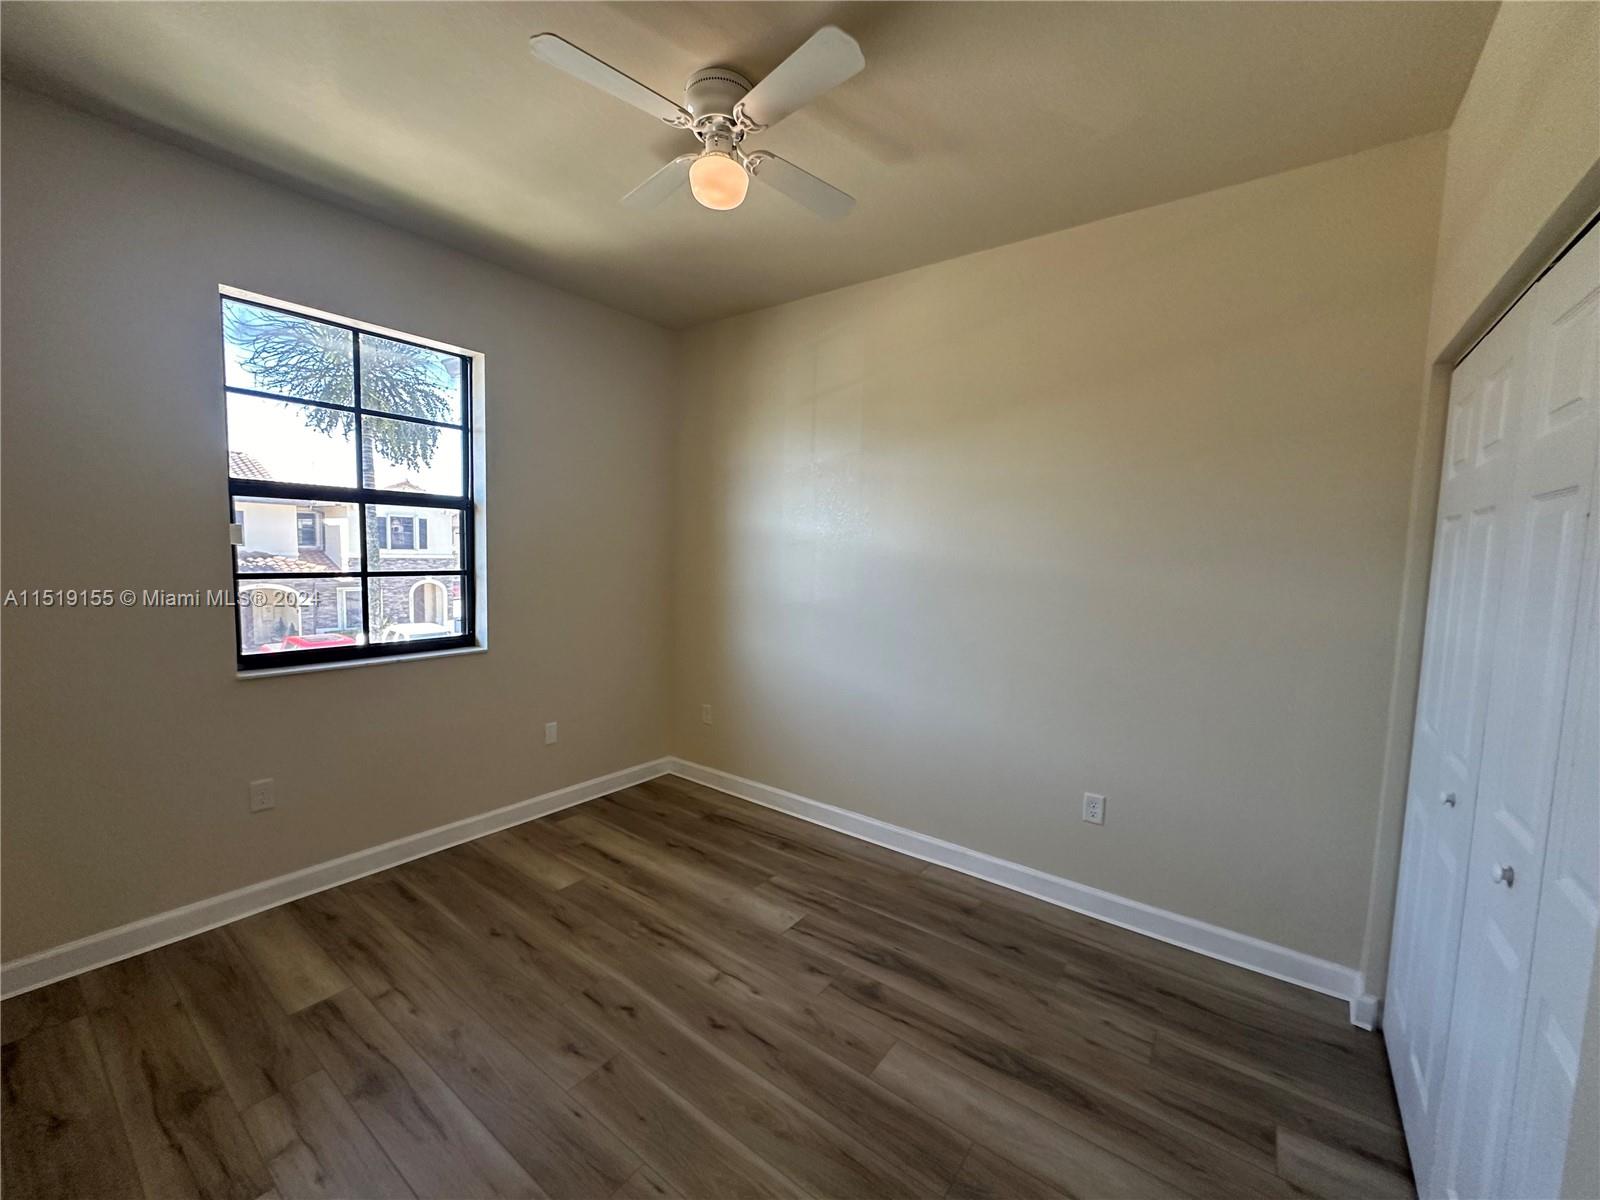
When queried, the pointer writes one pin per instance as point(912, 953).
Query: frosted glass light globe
point(718, 181)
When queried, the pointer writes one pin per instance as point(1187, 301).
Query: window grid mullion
point(361, 481)
point(365, 498)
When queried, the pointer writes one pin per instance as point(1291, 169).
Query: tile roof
point(242, 466)
point(312, 562)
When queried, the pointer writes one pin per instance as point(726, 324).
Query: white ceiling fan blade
point(580, 64)
point(662, 184)
point(826, 59)
point(804, 188)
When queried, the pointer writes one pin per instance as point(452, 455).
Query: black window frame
point(466, 504)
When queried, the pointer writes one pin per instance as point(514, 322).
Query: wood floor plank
point(293, 966)
point(514, 995)
point(753, 853)
point(185, 1135)
point(730, 895)
point(719, 806)
point(1259, 1102)
point(672, 947)
point(439, 1147)
point(1336, 1174)
point(537, 864)
point(690, 1153)
point(800, 969)
point(696, 1045)
point(831, 1028)
point(317, 1148)
point(684, 841)
point(1097, 1098)
point(1073, 1163)
point(964, 983)
point(565, 1151)
point(956, 888)
point(645, 1184)
point(53, 1004)
point(1157, 993)
point(242, 1025)
point(822, 1159)
point(1244, 1026)
point(761, 1040)
point(987, 1176)
point(60, 1135)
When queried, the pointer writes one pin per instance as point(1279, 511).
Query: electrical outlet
point(261, 795)
point(705, 714)
point(1094, 808)
point(550, 733)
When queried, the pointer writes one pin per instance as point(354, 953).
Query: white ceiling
point(973, 124)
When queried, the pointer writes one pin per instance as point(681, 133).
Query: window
point(350, 475)
point(404, 533)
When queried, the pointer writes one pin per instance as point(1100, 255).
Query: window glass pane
point(293, 356)
point(288, 616)
point(414, 608)
point(407, 457)
point(290, 443)
point(401, 378)
point(276, 534)
point(419, 539)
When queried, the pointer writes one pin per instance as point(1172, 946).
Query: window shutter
point(422, 533)
point(383, 533)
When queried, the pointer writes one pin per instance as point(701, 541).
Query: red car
point(308, 641)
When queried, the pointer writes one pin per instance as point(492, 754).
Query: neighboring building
point(322, 542)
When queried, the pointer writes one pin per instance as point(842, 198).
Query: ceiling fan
point(720, 107)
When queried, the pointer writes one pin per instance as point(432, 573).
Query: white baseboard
point(47, 966)
point(1280, 962)
point(1366, 1011)
point(1242, 950)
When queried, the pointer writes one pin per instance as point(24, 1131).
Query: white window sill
point(308, 668)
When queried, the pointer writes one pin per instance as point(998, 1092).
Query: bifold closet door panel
point(1486, 401)
point(1537, 630)
point(1564, 946)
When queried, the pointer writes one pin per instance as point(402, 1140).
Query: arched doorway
point(430, 603)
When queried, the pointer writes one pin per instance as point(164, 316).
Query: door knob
point(1505, 875)
point(1449, 798)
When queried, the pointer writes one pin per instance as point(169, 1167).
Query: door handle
point(1449, 798)
point(1505, 875)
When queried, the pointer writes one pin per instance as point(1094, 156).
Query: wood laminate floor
point(673, 993)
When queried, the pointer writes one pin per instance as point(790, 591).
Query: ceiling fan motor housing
point(713, 92)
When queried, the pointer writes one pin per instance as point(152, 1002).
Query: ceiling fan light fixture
point(720, 108)
point(718, 181)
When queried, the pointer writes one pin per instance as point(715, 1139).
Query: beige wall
point(128, 742)
point(1526, 136)
point(1121, 509)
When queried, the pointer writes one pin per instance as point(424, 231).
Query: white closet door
point(1486, 400)
point(1564, 947)
point(1549, 535)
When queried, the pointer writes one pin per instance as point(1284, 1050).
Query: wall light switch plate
point(1094, 808)
point(262, 796)
point(705, 714)
point(550, 733)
